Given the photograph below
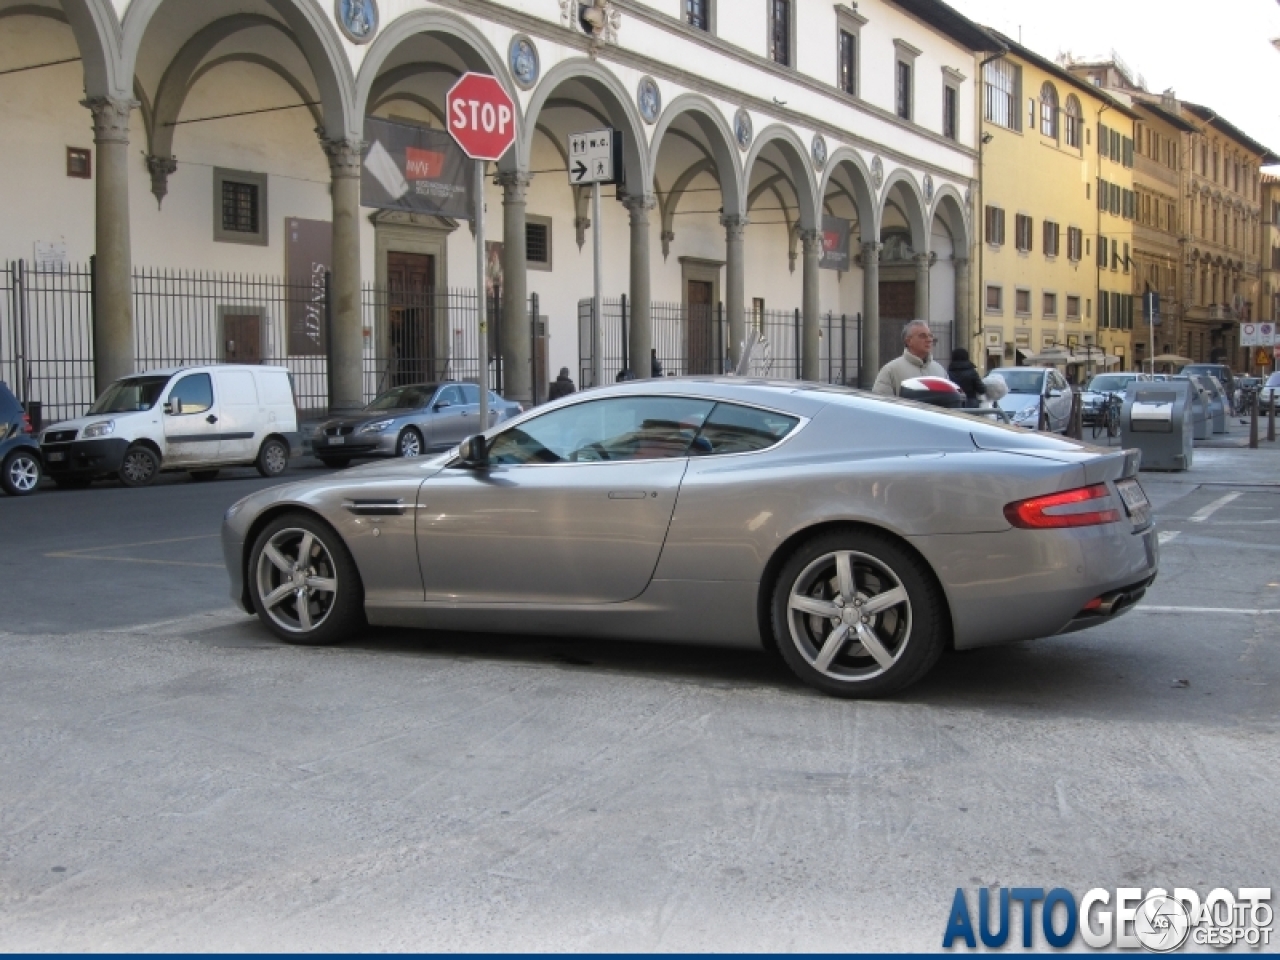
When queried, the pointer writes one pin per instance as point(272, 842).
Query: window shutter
point(1103, 194)
point(1104, 142)
point(1128, 152)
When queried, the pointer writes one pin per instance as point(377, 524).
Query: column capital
point(344, 156)
point(160, 168)
point(110, 118)
point(921, 259)
point(811, 239)
point(871, 251)
point(514, 184)
point(735, 227)
point(639, 202)
point(960, 262)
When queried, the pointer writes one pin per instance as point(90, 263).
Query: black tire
point(340, 611)
point(140, 466)
point(204, 476)
point(911, 632)
point(20, 474)
point(273, 457)
point(72, 483)
point(409, 444)
point(1113, 424)
point(336, 463)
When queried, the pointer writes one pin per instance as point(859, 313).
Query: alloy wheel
point(849, 616)
point(139, 467)
point(410, 444)
point(24, 473)
point(275, 459)
point(297, 580)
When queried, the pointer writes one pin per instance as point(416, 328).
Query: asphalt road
point(173, 779)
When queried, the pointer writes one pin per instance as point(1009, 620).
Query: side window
point(735, 429)
point(451, 396)
point(470, 393)
point(620, 428)
point(192, 394)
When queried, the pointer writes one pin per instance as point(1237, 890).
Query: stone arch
point(619, 106)
point(913, 207)
point(863, 193)
point(724, 153)
point(796, 157)
point(315, 35)
point(459, 34)
point(948, 206)
point(97, 33)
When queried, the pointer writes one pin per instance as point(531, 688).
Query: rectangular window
point(1104, 139)
point(995, 299)
point(1022, 303)
point(1115, 152)
point(995, 226)
point(1073, 307)
point(1104, 194)
point(1050, 304)
point(1075, 240)
point(780, 31)
point(1115, 199)
point(1124, 258)
point(1126, 152)
point(79, 163)
point(1102, 252)
point(697, 13)
point(904, 90)
point(240, 207)
point(848, 58)
point(537, 242)
point(1104, 310)
point(1002, 81)
point(1052, 238)
point(950, 112)
point(1022, 232)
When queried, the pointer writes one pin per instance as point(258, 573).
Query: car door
point(448, 426)
point(573, 508)
point(239, 415)
point(191, 421)
point(471, 410)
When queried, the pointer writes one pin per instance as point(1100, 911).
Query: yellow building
point(1058, 203)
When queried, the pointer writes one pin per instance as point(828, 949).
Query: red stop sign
point(482, 117)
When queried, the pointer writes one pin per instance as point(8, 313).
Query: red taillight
point(1070, 509)
point(26, 424)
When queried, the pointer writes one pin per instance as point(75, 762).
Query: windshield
point(405, 398)
point(1109, 383)
point(1023, 381)
point(1274, 379)
point(130, 395)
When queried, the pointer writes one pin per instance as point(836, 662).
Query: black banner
point(835, 244)
point(416, 169)
point(308, 257)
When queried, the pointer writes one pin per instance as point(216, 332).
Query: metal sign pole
point(1151, 315)
point(597, 320)
point(482, 297)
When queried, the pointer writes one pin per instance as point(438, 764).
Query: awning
point(1026, 353)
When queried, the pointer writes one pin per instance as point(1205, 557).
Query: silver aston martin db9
point(858, 536)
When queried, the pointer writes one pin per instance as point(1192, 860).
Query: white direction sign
point(593, 156)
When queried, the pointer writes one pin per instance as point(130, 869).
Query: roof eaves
point(1044, 63)
point(952, 22)
point(1220, 123)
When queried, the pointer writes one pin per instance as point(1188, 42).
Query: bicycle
point(1107, 420)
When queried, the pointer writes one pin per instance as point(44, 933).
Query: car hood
point(79, 423)
point(355, 419)
point(1016, 402)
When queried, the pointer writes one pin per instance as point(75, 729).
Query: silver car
point(408, 421)
point(859, 536)
point(1028, 388)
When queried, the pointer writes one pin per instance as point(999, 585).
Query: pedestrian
point(965, 375)
point(562, 387)
point(655, 365)
point(916, 361)
point(624, 375)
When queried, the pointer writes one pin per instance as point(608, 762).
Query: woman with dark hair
point(965, 375)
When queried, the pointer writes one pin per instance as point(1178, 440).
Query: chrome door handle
point(628, 495)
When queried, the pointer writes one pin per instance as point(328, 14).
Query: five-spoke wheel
point(856, 614)
point(304, 584)
point(20, 474)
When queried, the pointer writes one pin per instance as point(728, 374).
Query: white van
point(196, 419)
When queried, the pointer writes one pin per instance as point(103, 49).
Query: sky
point(1218, 54)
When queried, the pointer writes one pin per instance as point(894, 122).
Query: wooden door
point(897, 308)
point(242, 337)
point(701, 346)
point(411, 318)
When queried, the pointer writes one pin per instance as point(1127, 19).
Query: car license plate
point(336, 441)
point(1135, 500)
point(55, 457)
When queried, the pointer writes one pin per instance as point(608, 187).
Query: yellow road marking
point(91, 553)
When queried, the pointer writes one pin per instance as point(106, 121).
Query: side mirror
point(168, 408)
point(1053, 393)
point(474, 452)
point(441, 405)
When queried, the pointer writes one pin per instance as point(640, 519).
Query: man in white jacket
point(916, 361)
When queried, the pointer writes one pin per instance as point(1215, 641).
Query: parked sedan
point(1100, 388)
point(20, 463)
point(1027, 387)
point(407, 422)
point(1267, 395)
point(859, 536)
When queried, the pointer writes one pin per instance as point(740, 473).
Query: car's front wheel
point(140, 466)
point(20, 474)
point(304, 584)
point(856, 614)
point(410, 443)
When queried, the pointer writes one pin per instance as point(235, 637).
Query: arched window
point(1049, 110)
point(1071, 116)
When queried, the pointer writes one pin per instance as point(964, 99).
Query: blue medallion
point(522, 58)
point(357, 18)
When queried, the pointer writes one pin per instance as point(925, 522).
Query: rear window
point(735, 429)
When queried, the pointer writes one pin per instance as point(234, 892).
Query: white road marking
point(1205, 513)
point(1246, 611)
point(1165, 536)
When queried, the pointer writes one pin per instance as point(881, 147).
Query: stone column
point(735, 285)
point(640, 323)
point(869, 361)
point(963, 336)
point(922, 286)
point(346, 333)
point(811, 352)
point(113, 351)
point(516, 345)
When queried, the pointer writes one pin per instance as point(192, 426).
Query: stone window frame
point(986, 300)
point(1044, 304)
point(905, 55)
point(851, 22)
point(1067, 307)
point(952, 82)
point(769, 52)
point(1018, 292)
point(539, 220)
point(261, 237)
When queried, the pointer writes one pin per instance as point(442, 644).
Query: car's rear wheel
point(20, 474)
point(273, 457)
point(856, 614)
point(336, 463)
point(304, 584)
point(140, 466)
point(409, 444)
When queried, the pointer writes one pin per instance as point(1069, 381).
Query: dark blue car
point(20, 464)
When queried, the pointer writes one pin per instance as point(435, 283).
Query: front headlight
point(1026, 413)
point(376, 427)
point(100, 429)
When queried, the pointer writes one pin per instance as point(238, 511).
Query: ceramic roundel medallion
point(742, 129)
point(522, 59)
point(649, 99)
point(358, 19)
point(819, 150)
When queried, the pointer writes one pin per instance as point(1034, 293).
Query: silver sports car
point(858, 536)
